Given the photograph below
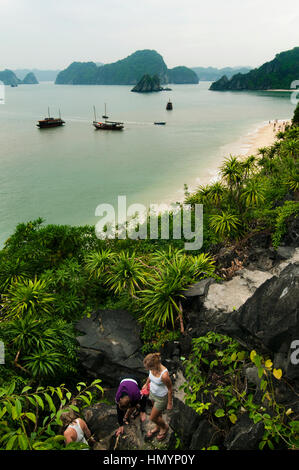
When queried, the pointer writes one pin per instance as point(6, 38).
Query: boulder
point(269, 320)
point(244, 435)
point(184, 421)
point(204, 436)
point(110, 346)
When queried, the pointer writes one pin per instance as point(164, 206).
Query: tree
point(295, 120)
point(162, 299)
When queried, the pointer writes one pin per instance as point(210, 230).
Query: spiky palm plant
point(97, 263)
point(253, 194)
point(232, 172)
point(225, 224)
point(126, 273)
point(43, 363)
point(248, 165)
point(28, 297)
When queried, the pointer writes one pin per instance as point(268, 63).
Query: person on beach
point(160, 393)
point(129, 401)
point(75, 429)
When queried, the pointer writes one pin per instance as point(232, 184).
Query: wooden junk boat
point(50, 121)
point(107, 125)
point(169, 105)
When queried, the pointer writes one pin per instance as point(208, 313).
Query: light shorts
point(159, 402)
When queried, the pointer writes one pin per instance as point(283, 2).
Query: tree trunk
point(181, 318)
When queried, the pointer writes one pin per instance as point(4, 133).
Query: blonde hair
point(152, 361)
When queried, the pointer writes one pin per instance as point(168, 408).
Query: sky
point(51, 34)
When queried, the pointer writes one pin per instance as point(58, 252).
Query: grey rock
point(110, 346)
point(269, 320)
point(244, 435)
point(184, 421)
point(285, 252)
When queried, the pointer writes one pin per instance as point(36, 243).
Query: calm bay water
point(62, 174)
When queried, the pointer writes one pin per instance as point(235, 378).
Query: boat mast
point(105, 115)
point(95, 116)
point(48, 111)
point(59, 114)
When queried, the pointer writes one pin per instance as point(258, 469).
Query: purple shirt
point(130, 388)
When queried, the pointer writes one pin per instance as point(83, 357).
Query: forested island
point(8, 77)
point(279, 73)
point(63, 291)
point(127, 71)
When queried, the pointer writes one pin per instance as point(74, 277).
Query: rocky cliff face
point(148, 84)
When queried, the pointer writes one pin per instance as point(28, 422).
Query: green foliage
point(40, 347)
point(127, 273)
point(290, 208)
point(250, 191)
point(217, 388)
point(161, 299)
point(295, 120)
point(225, 224)
point(27, 297)
point(30, 420)
point(155, 337)
point(126, 71)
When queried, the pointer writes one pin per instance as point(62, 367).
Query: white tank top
point(80, 433)
point(157, 387)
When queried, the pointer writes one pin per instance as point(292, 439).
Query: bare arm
point(85, 428)
point(70, 436)
point(167, 381)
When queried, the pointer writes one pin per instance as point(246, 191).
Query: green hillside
point(126, 71)
point(279, 73)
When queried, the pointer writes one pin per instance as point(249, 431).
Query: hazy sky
point(52, 34)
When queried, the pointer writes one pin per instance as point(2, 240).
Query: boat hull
point(51, 123)
point(104, 126)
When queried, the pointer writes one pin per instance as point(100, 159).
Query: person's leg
point(143, 408)
point(154, 416)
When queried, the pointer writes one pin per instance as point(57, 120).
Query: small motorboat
point(160, 123)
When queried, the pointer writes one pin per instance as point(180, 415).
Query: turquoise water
point(62, 174)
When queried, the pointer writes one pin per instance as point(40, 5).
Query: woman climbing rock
point(160, 394)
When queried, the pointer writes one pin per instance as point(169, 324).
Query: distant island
point(8, 77)
point(128, 71)
point(211, 74)
point(148, 84)
point(279, 73)
point(41, 75)
point(30, 79)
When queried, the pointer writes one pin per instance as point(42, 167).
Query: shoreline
point(262, 135)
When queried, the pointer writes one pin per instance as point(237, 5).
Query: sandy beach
point(263, 135)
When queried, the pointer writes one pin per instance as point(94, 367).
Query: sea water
point(63, 174)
